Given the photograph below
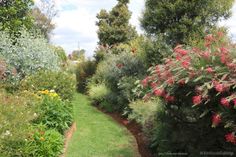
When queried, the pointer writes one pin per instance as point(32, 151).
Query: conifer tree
point(114, 27)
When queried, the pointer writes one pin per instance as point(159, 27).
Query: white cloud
point(231, 23)
point(75, 24)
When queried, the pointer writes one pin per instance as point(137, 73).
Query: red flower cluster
point(224, 102)
point(219, 87)
point(178, 49)
point(159, 92)
point(216, 119)
point(211, 70)
point(230, 137)
point(197, 100)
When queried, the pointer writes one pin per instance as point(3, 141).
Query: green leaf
point(198, 78)
point(204, 113)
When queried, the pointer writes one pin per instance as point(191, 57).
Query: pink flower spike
point(158, 92)
point(223, 59)
point(224, 50)
point(153, 85)
point(230, 137)
point(144, 82)
point(169, 98)
point(197, 100)
point(206, 55)
point(225, 102)
point(216, 120)
point(185, 64)
point(178, 49)
point(209, 70)
point(209, 38)
point(219, 87)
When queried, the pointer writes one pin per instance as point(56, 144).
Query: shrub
point(16, 113)
point(119, 73)
point(107, 106)
point(126, 85)
point(62, 83)
point(54, 113)
point(143, 111)
point(155, 49)
point(28, 54)
point(100, 53)
point(97, 92)
point(199, 89)
point(44, 142)
point(84, 71)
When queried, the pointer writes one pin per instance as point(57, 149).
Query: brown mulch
point(136, 131)
point(68, 136)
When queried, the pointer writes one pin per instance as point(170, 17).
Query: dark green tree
point(114, 27)
point(179, 20)
point(14, 14)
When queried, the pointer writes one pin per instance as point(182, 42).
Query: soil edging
point(68, 136)
point(135, 129)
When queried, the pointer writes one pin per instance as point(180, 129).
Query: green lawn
point(97, 135)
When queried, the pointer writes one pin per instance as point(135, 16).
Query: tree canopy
point(15, 14)
point(43, 15)
point(42, 22)
point(178, 20)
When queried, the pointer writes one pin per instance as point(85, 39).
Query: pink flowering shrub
point(198, 85)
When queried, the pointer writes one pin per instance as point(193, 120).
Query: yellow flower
point(46, 92)
point(42, 139)
point(53, 95)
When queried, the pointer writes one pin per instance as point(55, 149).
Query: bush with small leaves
point(119, 73)
point(198, 86)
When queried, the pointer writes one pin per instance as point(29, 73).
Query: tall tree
point(114, 27)
point(42, 23)
point(14, 14)
point(43, 15)
point(178, 20)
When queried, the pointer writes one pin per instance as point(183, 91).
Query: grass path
point(97, 135)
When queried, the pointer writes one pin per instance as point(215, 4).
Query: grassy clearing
point(97, 135)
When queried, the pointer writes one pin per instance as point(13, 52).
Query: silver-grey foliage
point(28, 53)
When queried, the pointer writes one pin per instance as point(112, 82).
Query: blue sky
point(75, 24)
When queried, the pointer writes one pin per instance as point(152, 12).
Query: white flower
point(52, 91)
point(7, 133)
